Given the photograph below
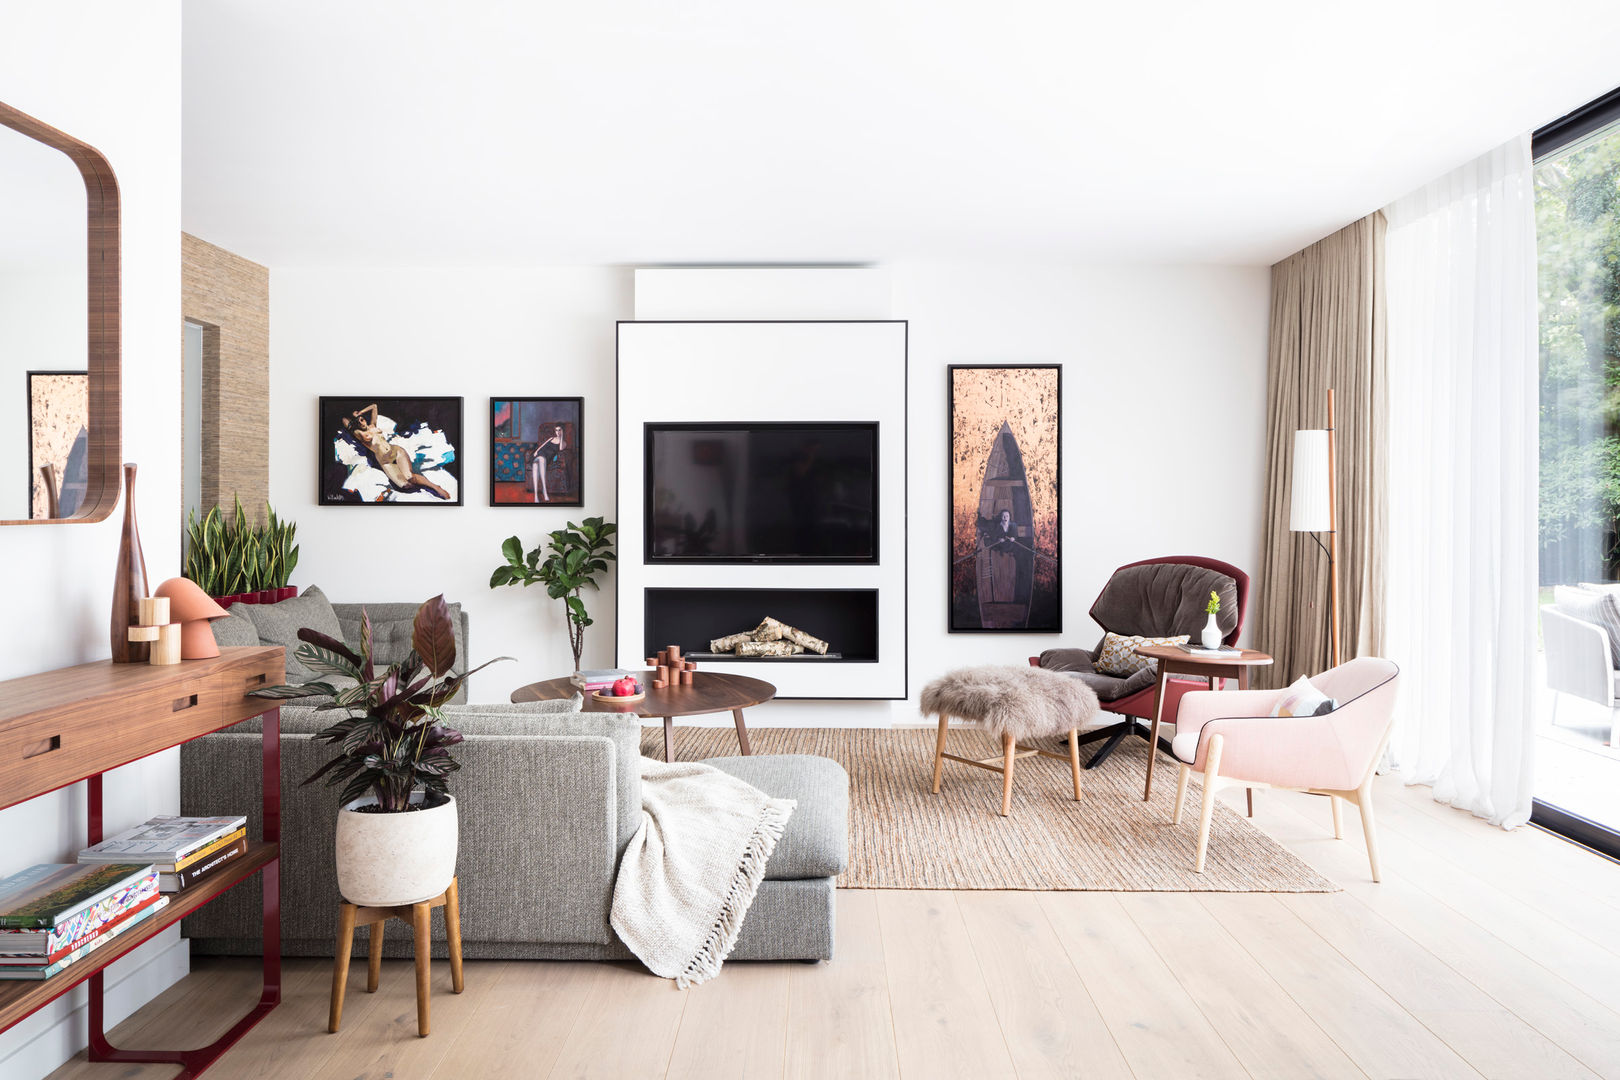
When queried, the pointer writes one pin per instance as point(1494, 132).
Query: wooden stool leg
point(939, 751)
point(374, 957)
point(742, 732)
point(452, 932)
point(1009, 755)
point(340, 964)
point(420, 915)
point(669, 738)
point(1074, 760)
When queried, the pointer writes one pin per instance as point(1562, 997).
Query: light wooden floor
point(1483, 954)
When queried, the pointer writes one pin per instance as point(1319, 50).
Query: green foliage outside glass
point(566, 565)
point(1578, 281)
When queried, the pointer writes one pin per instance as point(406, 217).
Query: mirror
point(59, 338)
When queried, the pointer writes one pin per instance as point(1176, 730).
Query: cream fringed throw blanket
point(692, 869)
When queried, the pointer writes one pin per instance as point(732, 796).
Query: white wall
point(474, 333)
point(106, 72)
point(1164, 422)
point(1164, 374)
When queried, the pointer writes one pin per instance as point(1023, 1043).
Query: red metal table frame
point(193, 1062)
point(54, 733)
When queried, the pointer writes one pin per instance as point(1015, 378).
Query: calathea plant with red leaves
point(393, 740)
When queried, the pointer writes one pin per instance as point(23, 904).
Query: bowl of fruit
point(622, 691)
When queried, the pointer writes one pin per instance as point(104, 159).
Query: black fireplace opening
point(846, 619)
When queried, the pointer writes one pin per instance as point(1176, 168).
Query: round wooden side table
point(1174, 660)
point(710, 692)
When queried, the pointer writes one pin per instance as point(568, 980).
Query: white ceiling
point(749, 131)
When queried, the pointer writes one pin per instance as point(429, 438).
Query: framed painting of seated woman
point(387, 451)
point(534, 457)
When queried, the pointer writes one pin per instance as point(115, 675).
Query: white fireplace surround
point(769, 371)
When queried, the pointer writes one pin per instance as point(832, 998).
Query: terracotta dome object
point(193, 609)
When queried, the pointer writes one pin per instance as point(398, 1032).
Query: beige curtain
point(1327, 331)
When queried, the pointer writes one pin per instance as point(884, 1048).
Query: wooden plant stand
point(418, 916)
point(77, 723)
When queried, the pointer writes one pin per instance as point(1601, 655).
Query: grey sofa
point(548, 798)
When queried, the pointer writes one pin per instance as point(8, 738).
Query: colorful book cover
point(194, 873)
point(75, 928)
point(39, 973)
point(39, 959)
point(202, 853)
point(163, 839)
point(45, 895)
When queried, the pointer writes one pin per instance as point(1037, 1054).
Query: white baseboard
point(49, 1039)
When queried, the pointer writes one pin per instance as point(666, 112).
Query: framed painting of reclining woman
point(534, 451)
point(389, 451)
point(1006, 571)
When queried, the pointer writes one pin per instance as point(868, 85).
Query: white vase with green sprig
point(1210, 636)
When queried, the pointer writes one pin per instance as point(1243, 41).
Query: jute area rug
point(904, 837)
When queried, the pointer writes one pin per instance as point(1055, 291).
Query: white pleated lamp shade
point(1311, 509)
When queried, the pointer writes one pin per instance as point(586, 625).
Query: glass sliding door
point(1577, 179)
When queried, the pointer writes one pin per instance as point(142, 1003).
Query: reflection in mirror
point(44, 348)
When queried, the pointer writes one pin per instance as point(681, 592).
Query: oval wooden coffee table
point(710, 692)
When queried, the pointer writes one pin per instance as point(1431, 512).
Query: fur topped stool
point(1013, 704)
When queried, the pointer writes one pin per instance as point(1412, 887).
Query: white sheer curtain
point(1459, 607)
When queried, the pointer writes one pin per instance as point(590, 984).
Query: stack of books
point(601, 678)
point(185, 850)
point(1219, 650)
point(54, 914)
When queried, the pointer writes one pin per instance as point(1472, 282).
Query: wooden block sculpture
point(419, 916)
point(152, 625)
point(670, 669)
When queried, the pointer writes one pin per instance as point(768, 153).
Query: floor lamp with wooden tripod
point(1311, 508)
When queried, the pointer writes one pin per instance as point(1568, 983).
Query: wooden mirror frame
point(103, 479)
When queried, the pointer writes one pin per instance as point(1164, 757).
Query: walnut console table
point(77, 723)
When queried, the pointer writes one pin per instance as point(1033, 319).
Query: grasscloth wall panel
point(230, 297)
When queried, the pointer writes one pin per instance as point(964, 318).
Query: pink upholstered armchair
point(1230, 738)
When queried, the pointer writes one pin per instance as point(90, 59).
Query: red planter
point(263, 596)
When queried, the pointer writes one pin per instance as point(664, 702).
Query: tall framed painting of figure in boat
point(1006, 562)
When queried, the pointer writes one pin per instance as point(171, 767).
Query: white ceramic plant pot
point(384, 860)
point(1210, 636)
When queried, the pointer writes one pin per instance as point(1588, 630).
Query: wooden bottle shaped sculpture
point(129, 585)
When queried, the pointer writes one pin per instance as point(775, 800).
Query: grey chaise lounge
point(548, 798)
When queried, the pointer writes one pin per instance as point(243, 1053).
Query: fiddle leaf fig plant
point(393, 740)
point(566, 565)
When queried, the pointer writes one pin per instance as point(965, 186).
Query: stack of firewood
point(769, 638)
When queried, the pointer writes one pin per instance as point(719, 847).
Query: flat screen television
point(762, 493)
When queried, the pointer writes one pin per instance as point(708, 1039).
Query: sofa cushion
point(235, 628)
point(1118, 655)
point(278, 624)
point(1115, 688)
point(1079, 660)
point(391, 627)
point(1161, 599)
point(565, 718)
point(815, 843)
